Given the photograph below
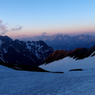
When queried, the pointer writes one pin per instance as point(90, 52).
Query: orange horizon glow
point(46, 16)
point(52, 31)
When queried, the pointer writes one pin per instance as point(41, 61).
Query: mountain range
point(37, 55)
point(66, 42)
point(23, 54)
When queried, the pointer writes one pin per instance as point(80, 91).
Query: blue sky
point(51, 16)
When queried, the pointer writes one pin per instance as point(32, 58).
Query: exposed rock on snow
point(22, 54)
point(61, 60)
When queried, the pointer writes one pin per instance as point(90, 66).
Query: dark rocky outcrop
point(23, 54)
point(79, 53)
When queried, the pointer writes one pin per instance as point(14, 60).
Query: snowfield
point(14, 82)
point(69, 63)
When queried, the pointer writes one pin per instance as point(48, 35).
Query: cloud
point(44, 34)
point(3, 28)
point(16, 28)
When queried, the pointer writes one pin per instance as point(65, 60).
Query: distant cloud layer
point(4, 28)
point(17, 28)
point(44, 34)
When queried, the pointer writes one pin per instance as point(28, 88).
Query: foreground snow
point(68, 63)
point(42, 83)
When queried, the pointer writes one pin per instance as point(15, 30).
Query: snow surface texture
point(14, 82)
point(68, 63)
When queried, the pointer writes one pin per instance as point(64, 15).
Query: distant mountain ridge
point(66, 42)
point(21, 54)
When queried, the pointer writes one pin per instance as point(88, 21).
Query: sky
point(35, 17)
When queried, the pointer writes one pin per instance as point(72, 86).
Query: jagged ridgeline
point(76, 60)
point(23, 54)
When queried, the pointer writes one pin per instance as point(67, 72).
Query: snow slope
point(69, 63)
point(14, 82)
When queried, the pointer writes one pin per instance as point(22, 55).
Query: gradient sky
point(33, 17)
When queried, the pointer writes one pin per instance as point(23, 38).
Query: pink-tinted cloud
point(3, 28)
point(16, 28)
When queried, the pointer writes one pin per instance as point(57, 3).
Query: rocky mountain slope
point(79, 53)
point(23, 54)
point(76, 60)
